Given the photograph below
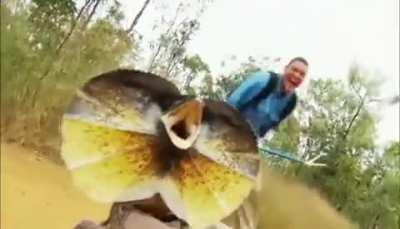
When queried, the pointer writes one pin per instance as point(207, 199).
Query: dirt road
point(36, 193)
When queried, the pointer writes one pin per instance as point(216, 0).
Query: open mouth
point(183, 123)
point(294, 82)
point(181, 130)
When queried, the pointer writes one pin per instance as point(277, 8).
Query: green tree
point(169, 51)
point(35, 93)
point(334, 118)
point(49, 19)
point(225, 84)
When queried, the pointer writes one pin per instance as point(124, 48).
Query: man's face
point(294, 75)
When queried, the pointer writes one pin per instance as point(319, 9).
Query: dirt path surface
point(36, 193)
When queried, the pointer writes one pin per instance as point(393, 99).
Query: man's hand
point(88, 224)
point(134, 220)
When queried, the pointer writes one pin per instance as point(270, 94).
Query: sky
point(331, 35)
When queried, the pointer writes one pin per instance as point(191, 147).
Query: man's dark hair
point(299, 58)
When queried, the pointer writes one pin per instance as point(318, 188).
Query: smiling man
point(267, 98)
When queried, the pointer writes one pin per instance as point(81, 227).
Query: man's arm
point(249, 89)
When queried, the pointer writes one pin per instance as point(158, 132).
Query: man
point(267, 98)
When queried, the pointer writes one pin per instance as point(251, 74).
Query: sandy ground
point(36, 193)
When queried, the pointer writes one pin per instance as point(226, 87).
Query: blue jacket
point(262, 101)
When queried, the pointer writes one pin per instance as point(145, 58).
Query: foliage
point(49, 19)
point(169, 57)
point(335, 120)
point(225, 84)
point(35, 93)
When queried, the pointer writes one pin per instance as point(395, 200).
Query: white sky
point(330, 34)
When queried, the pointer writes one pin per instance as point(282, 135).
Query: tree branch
point(91, 14)
point(74, 23)
point(170, 27)
point(137, 17)
point(153, 59)
point(360, 106)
